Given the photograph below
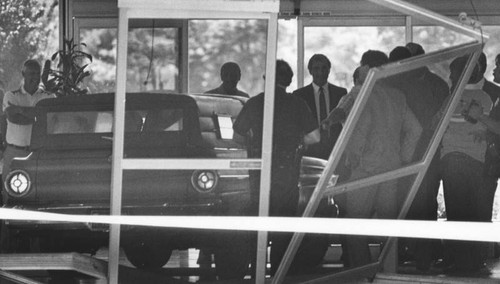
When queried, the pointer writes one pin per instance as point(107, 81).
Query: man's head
point(483, 64)
point(319, 67)
point(415, 49)
point(374, 58)
point(31, 74)
point(496, 71)
point(230, 74)
point(284, 73)
point(399, 53)
point(359, 75)
point(457, 67)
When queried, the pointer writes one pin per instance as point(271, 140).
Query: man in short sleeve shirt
point(18, 106)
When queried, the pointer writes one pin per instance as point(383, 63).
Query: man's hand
point(337, 115)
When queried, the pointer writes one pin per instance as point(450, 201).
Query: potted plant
point(71, 64)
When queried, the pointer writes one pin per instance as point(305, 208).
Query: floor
point(183, 269)
point(407, 273)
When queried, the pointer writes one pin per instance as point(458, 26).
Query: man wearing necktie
point(321, 97)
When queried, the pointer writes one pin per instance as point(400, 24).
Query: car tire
point(147, 254)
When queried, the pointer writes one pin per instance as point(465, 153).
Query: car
point(68, 170)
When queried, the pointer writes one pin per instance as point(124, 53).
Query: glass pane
point(153, 59)
point(405, 104)
point(151, 68)
point(215, 42)
point(433, 38)
point(79, 122)
point(101, 44)
point(345, 45)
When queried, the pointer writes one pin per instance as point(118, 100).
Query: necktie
point(322, 104)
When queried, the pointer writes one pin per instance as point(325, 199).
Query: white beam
point(261, 6)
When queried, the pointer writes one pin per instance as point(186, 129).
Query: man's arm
point(476, 112)
point(343, 108)
point(20, 115)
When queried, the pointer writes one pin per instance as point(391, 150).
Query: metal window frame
point(418, 168)
point(192, 9)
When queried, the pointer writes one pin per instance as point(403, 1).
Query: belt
point(25, 148)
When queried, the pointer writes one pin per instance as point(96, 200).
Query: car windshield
point(156, 120)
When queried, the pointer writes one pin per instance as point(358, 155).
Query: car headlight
point(204, 181)
point(18, 183)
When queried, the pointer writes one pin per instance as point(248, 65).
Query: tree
point(27, 29)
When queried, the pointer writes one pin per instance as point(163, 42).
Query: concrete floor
point(406, 273)
point(183, 268)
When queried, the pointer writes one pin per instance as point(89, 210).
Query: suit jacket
point(491, 89)
point(328, 138)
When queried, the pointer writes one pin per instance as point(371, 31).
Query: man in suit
point(313, 247)
point(319, 67)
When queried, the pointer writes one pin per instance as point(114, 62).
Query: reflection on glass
point(150, 67)
point(164, 120)
point(101, 44)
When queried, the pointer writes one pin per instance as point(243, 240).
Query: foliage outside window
point(28, 29)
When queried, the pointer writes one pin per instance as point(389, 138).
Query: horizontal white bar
point(190, 14)
point(472, 231)
point(190, 164)
point(262, 6)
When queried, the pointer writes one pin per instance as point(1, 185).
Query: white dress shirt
point(316, 100)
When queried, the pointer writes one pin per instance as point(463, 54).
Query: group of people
point(395, 128)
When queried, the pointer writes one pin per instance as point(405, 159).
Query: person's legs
point(462, 184)
point(283, 202)
point(424, 207)
point(359, 204)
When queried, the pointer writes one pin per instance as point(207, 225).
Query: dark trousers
point(424, 207)
point(468, 196)
point(284, 200)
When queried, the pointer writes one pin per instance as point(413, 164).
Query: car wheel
point(232, 257)
point(147, 254)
